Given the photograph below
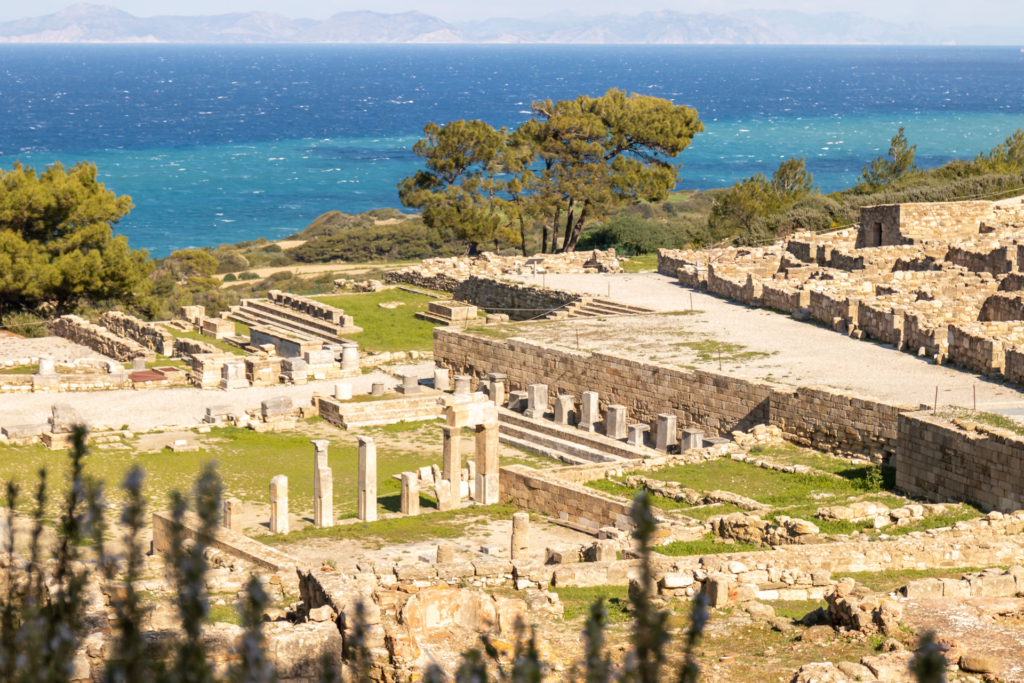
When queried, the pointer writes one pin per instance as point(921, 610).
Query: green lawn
point(21, 370)
point(640, 263)
point(246, 461)
point(577, 601)
point(387, 329)
point(705, 546)
point(893, 579)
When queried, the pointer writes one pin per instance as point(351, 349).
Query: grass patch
point(224, 614)
point(22, 370)
point(451, 524)
point(606, 486)
point(936, 522)
point(869, 477)
point(778, 489)
point(705, 546)
point(495, 331)
point(892, 579)
point(387, 329)
point(577, 602)
point(796, 609)
point(709, 350)
point(988, 419)
point(639, 264)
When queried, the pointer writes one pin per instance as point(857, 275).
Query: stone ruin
point(941, 280)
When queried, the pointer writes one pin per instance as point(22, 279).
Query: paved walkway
point(799, 353)
point(148, 409)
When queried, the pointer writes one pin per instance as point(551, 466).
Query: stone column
point(590, 412)
point(637, 434)
point(343, 391)
point(279, 505)
point(496, 387)
point(446, 494)
point(486, 464)
point(350, 356)
point(451, 454)
point(323, 486)
point(410, 493)
point(565, 409)
point(410, 385)
point(666, 431)
point(366, 506)
point(615, 424)
point(233, 515)
point(445, 553)
point(520, 535)
point(47, 366)
point(692, 438)
point(537, 395)
point(463, 384)
point(442, 379)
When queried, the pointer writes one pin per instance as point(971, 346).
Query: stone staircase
point(596, 307)
point(563, 442)
point(261, 313)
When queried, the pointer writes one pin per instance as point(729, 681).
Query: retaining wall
point(141, 332)
point(719, 404)
point(941, 461)
point(99, 339)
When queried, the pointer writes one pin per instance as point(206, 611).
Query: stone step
point(597, 308)
point(286, 318)
point(593, 440)
point(256, 318)
point(542, 451)
point(553, 443)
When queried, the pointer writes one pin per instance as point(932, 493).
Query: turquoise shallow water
point(225, 144)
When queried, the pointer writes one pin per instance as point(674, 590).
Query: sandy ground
point(796, 353)
point(145, 410)
point(15, 348)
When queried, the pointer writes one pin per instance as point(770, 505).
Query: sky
point(934, 12)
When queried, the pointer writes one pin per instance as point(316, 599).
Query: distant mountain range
point(84, 23)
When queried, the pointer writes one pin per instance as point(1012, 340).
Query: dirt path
point(772, 346)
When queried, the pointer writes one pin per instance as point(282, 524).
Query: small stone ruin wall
point(942, 461)
point(99, 339)
point(519, 302)
point(530, 490)
point(143, 333)
point(916, 223)
point(669, 263)
point(830, 420)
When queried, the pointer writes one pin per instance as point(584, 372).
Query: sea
point(220, 144)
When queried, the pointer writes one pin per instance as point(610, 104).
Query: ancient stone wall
point(519, 302)
point(994, 258)
point(916, 223)
point(719, 404)
point(228, 541)
point(670, 261)
point(942, 461)
point(982, 346)
point(146, 334)
point(530, 489)
point(99, 339)
point(1003, 306)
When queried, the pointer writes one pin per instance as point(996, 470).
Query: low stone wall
point(718, 404)
point(27, 384)
point(530, 489)
point(670, 261)
point(994, 259)
point(228, 541)
point(186, 348)
point(99, 339)
point(943, 462)
point(146, 334)
point(982, 346)
point(348, 414)
point(519, 302)
point(1003, 306)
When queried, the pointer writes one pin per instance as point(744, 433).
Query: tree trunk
point(522, 233)
point(577, 229)
point(568, 226)
point(544, 237)
point(472, 249)
point(554, 229)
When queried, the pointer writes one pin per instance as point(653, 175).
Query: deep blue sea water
point(221, 144)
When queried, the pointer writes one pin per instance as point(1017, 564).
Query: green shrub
point(273, 249)
point(26, 324)
point(230, 277)
point(631, 234)
point(248, 275)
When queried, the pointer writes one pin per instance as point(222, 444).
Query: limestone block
point(442, 381)
point(232, 375)
point(717, 589)
point(410, 385)
point(616, 422)
point(445, 553)
point(496, 387)
point(343, 391)
point(274, 407)
point(605, 551)
point(638, 434)
point(923, 588)
point(955, 588)
point(410, 502)
point(666, 431)
point(279, 505)
point(590, 412)
point(537, 395)
point(463, 385)
point(366, 506)
point(377, 389)
point(692, 439)
point(1002, 586)
point(518, 401)
point(565, 409)
point(677, 580)
point(233, 515)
